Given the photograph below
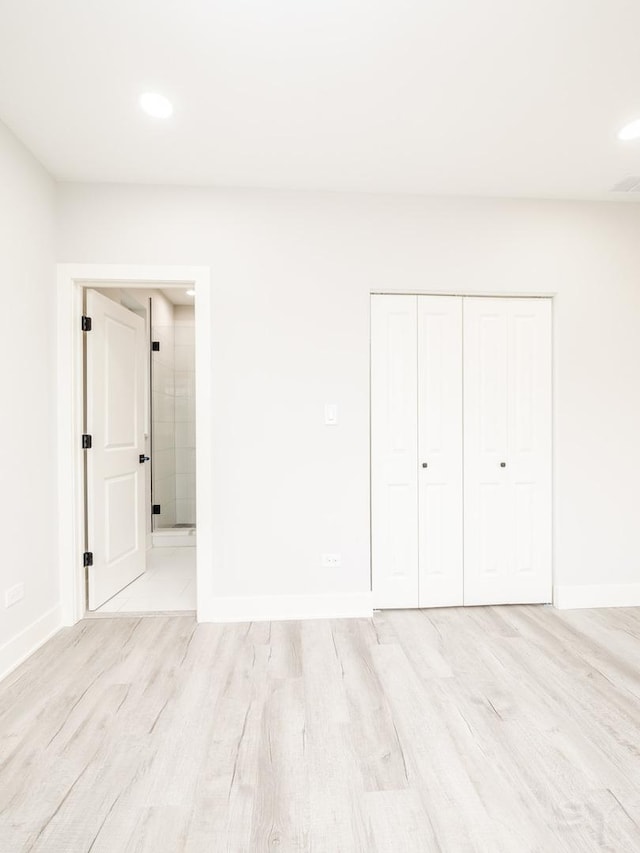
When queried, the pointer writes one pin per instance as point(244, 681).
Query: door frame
point(71, 280)
point(506, 294)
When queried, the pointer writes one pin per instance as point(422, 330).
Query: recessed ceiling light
point(157, 106)
point(191, 293)
point(630, 131)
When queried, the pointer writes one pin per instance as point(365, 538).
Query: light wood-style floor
point(494, 729)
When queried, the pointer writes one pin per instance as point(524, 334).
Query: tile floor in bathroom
point(169, 583)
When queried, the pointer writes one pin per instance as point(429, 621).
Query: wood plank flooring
point(481, 729)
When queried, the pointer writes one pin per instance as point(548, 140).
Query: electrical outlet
point(14, 594)
point(331, 561)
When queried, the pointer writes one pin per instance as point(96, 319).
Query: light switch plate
point(330, 414)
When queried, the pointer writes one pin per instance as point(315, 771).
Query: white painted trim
point(491, 294)
point(16, 650)
point(267, 608)
point(596, 595)
point(71, 279)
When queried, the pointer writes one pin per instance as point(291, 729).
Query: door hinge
point(155, 346)
point(87, 559)
point(86, 442)
point(86, 323)
point(155, 509)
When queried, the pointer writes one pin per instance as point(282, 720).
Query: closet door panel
point(440, 450)
point(485, 435)
point(507, 451)
point(394, 479)
point(530, 443)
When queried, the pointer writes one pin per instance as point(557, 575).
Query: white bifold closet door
point(416, 435)
point(394, 446)
point(440, 535)
point(460, 450)
point(507, 451)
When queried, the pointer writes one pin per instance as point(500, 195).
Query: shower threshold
point(177, 536)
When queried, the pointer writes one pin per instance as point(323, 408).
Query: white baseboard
point(268, 608)
point(596, 595)
point(19, 648)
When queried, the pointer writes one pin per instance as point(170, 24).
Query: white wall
point(27, 437)
point(292, 275)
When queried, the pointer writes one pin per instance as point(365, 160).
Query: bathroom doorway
point(139, 423)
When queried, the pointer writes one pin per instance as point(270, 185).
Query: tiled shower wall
point(185, 421)
point(163, 413)
point(174, 414)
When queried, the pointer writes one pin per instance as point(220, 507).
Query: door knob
point(143, 458)
point(503, 464)
point(425, 464)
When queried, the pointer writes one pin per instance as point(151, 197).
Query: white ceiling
point(485, 97)
point(177, 295)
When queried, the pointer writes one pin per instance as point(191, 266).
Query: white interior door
point(507, 451)
point(394, 451)
point(440, 450)
point(115, 402)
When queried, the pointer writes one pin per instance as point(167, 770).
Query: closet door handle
point(503, 464)
point(425, 464)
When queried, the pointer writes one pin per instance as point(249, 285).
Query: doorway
point(73, 279)
point(139, 449)
point(460, 450)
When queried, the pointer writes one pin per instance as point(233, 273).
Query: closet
point(460, 450)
